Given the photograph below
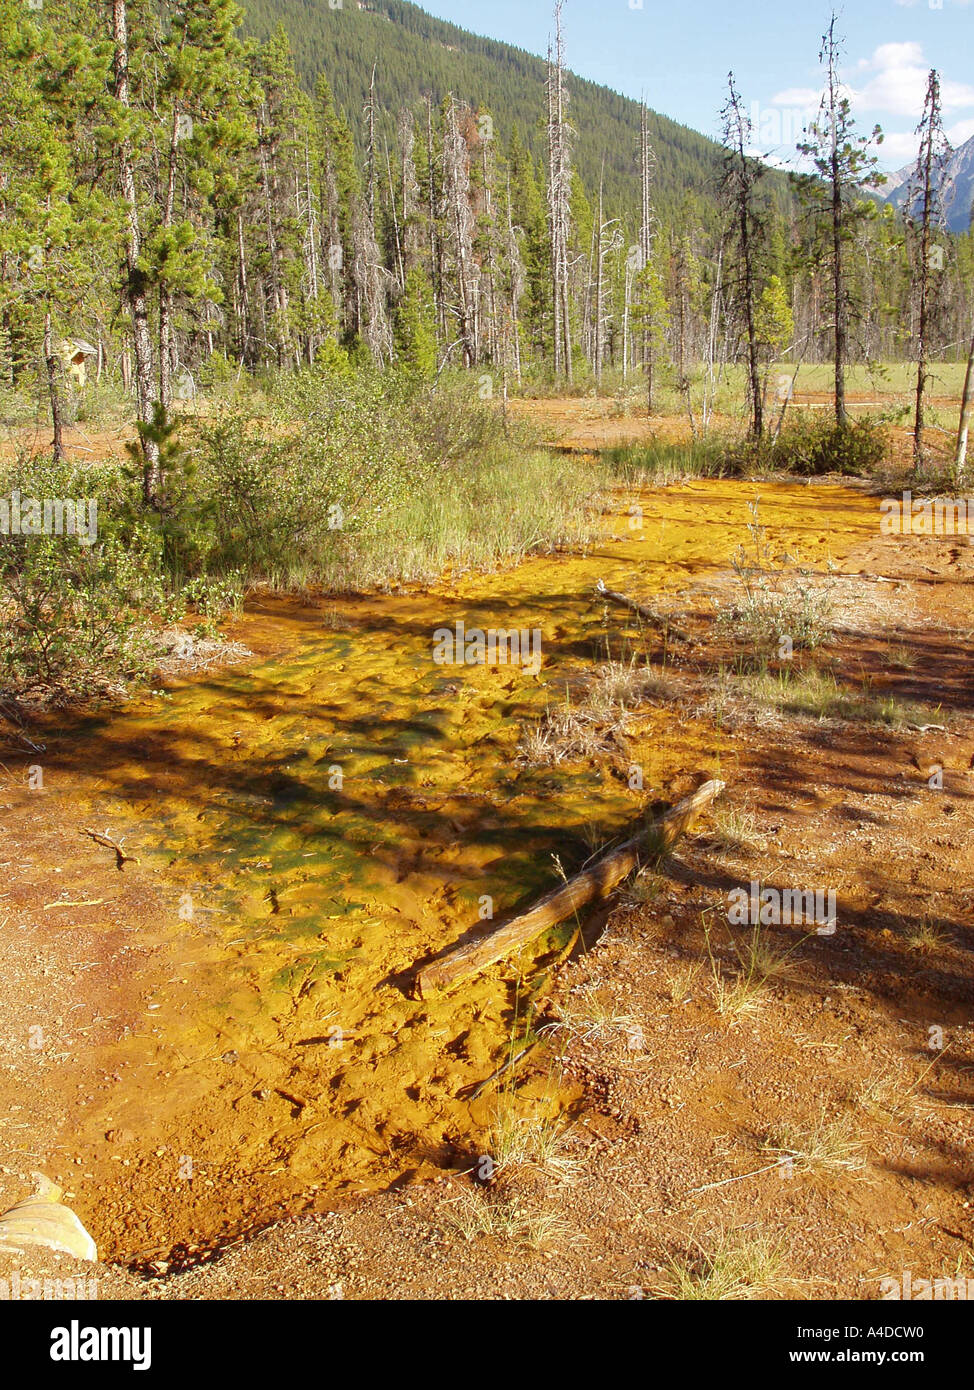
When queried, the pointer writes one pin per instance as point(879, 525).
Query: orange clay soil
point(220, 1034)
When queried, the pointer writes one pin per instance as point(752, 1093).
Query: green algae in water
point(308, 969)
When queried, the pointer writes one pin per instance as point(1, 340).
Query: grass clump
point(513, 1218)
point(565, 732)
point(595, 724)
point(809, 446)
point(526, 1153)
point(927, 937)
point(660, 462)
point(586, 1018)
point(828, 1145)
point(735, 830)
point(817, 694)
point(519, 1142)
point(758, 962)
point(734, 1266)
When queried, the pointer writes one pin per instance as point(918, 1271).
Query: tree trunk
point(838, 276)
point(928, 162)
point(597, 340)
point(595, 882)
point(243, 312)
point(967, 399)
point(135, 294)
point(52, 362)
point(165, 291)
point(754, 369)
point(314, 287)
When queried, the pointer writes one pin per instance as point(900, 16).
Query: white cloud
point(899, 148)
point(955, 95)
point(899, 79)
point(805, 97)
point(892, 84)
point(960, 133)
point(893, 55)
point(898, 83)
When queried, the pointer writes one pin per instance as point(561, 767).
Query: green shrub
point(215, 596)
point(808, 447)
point(77, 616)
point(813, 447)
point(76, 622)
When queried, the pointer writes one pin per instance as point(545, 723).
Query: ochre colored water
point(325, 817)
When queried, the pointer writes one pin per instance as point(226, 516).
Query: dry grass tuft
point(735, 831)
point(829, 1145)
point(594, 725)
point(534, 1142)
point(733, 1267)
point(588, 1019)
point(759, 962)
point(509, 1216)
point(927, 937)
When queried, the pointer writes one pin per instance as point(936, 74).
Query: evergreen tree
point(845, 169)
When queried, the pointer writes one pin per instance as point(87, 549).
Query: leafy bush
point(77, 617)
point(215, 596)
point(76, 620)
point(287, 497)
point(808, 447)
point(336, 469)
point(815, 446)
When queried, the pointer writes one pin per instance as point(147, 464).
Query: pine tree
point(415, 329)
point(844, 169)
point(52, 225)
point(925, 215)
point(741, 175)
point(528, 220)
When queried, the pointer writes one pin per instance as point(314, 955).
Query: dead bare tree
point(559, 200)
point(645, 310)
point(459, 219)
point(409, 188)
point(516, 279)
point(741, 175)
point(963, 429)
point(370, 123)
point(608, 239)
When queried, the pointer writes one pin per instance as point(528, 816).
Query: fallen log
point(642, 609)
point(595, 882)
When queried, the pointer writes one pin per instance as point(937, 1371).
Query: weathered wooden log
point(643, 610)
point(595, 882)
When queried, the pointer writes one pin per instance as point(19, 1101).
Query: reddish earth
point(827, 1112)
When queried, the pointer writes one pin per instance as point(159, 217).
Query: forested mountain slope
point(416, 54)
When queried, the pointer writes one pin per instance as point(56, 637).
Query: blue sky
point(677, 53)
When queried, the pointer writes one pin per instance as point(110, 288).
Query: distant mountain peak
point(958, 186)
